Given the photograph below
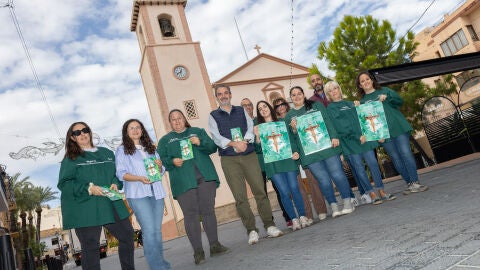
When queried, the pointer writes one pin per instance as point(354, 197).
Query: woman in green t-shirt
point(398, 145)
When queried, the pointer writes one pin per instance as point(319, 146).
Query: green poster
point(186, 149)
point(313, 133)
point(236, 134)
point(372, 121)
point(111, 194)
point(154, 173)
point(275, 142)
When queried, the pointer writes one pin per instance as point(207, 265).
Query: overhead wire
point(31, 64)
point(291, 44)
point(413, 25)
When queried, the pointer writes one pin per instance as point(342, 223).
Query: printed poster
point(186, 149)
point(313, 133)
point(275, 141)
point(372, 121)
point(111, 194)
point(154, 173)
point(237, 135)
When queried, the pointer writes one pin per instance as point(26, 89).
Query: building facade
point(458, 33)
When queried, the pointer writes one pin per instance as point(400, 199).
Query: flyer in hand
point(111, 194)
point(275, 142)
point(186, 149)
point(372, 121)
point(154, 172)
point(236, 134)
point(313, 133)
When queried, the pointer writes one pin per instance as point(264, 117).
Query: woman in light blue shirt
point(146, 198)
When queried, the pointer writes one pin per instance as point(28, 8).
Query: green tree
point(22, 189)
point(363, 43)
point(42, 196)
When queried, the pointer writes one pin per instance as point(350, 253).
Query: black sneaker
point(218, 249)
point(199, 257)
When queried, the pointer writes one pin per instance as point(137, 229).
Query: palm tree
point(22, 190)
point(43, 195)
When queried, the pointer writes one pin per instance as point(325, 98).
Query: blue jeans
point(327, 170)
point(149, 213)
point(361, 190)
point(356, 160)
point(287, 185)
point(398, 148)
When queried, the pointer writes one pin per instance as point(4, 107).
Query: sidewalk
point(436, 229)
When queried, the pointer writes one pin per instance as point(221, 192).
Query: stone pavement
point(436, 229)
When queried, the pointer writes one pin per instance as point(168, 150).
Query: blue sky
point(87, 59)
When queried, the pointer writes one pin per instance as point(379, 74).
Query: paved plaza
point(436, 229)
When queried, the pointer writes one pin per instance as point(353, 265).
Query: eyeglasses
point(278, 105)
point(84, 130)
point(135, 128)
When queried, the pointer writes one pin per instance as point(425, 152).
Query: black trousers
point(89, 238)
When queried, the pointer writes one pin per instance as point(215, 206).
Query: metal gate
point(449, 130)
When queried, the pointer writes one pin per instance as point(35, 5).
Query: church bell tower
point(172, 68)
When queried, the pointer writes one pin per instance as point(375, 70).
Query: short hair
point(309, 78)
point(281, 101)
point(246, 99)
point(329, 87)
point(218, 86)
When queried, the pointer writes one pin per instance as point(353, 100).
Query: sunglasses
point(278, 105)
point(84, 130)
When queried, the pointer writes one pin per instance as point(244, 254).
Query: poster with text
point(275, 141)
point(372, 121)
point(313, 133)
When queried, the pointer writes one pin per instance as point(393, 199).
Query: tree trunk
point(13, 221)
point(39, 220)
point(30, 226)
point(23, 216)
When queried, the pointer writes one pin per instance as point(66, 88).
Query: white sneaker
point(296, 224)
point(366, 199)
point(252, 238)
point(347, 207)
point(322, 216)
point(305, 222)
point(355, 201)
point(273, 231)
point(335, 211)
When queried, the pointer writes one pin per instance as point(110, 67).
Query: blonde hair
point(329, 87)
